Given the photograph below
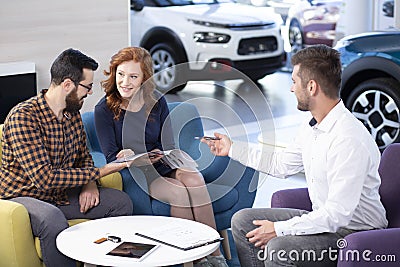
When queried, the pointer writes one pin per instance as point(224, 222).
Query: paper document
point(174, 158)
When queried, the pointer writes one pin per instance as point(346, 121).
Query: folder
point(188, 247)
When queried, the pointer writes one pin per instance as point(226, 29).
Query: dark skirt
point(156, 170)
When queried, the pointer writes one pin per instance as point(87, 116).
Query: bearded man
point(46, 165)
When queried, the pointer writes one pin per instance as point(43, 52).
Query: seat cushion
point(224, 198)
point(37, 241)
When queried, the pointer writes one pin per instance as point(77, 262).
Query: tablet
point(133, 250)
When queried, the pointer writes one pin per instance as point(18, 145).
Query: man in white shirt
point(340, 160)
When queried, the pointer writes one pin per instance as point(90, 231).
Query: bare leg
point(173, 192)
point(199, 198)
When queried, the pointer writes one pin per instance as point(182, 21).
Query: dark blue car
point(371, 82)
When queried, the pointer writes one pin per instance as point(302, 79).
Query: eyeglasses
point(86, 86)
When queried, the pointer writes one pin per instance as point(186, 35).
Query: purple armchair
point(368, 248)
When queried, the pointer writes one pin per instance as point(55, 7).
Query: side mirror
point(137, 5)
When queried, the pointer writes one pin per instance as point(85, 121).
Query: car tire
point(165, 59)
point(296, 39)
point(376, 103)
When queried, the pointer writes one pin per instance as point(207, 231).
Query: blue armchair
point(229, 182)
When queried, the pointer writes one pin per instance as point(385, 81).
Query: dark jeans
point(48, 220)
point(289, 250)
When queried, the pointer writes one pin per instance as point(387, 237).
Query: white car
point(204, 33)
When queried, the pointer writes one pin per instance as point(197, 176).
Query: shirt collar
point(48, 114)
point(330, 119)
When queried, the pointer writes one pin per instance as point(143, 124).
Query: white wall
point(39, 30)
point(397, 14)
point(355, 17)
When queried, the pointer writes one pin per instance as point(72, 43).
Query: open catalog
point(174, 158)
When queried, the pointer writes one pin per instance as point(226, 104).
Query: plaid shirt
point(42, 156)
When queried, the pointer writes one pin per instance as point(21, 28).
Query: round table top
point(77, 242)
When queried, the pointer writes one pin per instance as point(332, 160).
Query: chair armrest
point(382, 243)
point(233, 176)
point(113, 180)
point(135, 185)
point(291, 198)
point(18, 247)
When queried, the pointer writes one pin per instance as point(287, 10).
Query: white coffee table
point(77, 242)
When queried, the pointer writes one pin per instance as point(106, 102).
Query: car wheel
point(295, 36)
point(165, 71)
point(376, 103)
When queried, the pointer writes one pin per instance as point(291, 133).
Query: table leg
point(188, 264)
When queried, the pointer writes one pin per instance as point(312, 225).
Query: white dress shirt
point(340, 160)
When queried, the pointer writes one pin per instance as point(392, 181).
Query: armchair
point(229, 183)
point(19, 248)
point(382, 243)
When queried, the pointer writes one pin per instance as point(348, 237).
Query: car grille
point(257, 45)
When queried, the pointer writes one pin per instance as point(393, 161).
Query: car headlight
point(211, 37)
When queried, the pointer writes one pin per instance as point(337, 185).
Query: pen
point(207, 138)
point(205, 243)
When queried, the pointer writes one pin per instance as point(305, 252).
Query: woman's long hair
point(113, 97)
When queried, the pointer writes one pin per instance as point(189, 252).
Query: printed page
point(139, 159)
point(177, 158)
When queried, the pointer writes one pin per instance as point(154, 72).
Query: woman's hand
point(125, 153)
point(156, 155)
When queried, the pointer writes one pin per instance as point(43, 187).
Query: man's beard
point(73, 103)
point(303, 102)
point(303, 106)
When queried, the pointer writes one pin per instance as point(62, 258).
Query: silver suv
point(211, 36)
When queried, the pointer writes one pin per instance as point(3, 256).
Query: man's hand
point(219, 147)
point(89, 197)
point(261, 235)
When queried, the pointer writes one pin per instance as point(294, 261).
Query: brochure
point(133, 250)
point(174, 158)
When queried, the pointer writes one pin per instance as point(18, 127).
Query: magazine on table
point(133, 250)
point(174, 158)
